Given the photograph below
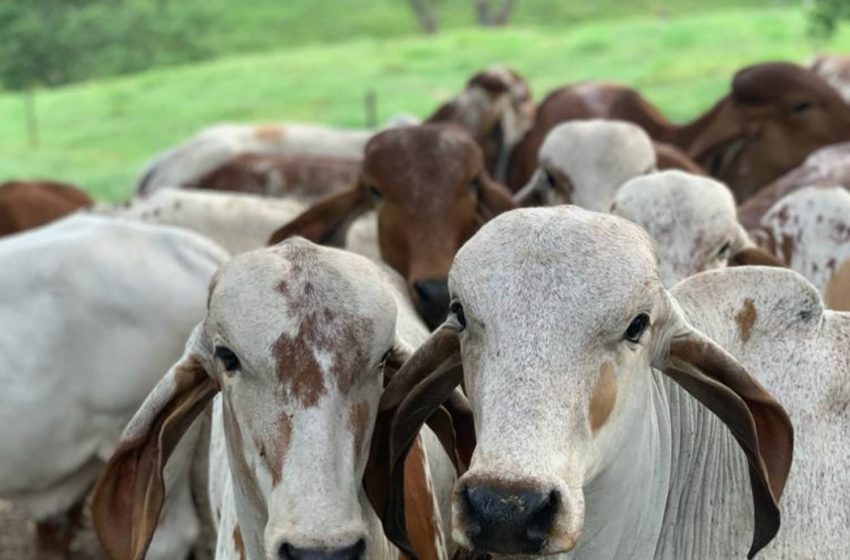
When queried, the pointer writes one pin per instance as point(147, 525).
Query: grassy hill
point(100, 134)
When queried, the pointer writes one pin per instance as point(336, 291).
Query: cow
point(430, 192)
point(496, 108)
point(292, 354)
point(94, 312)
point(605, 423)
point(775, 115)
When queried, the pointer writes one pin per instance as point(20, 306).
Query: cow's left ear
point(130, 491)
point(493, 198)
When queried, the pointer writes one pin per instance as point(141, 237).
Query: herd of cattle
point(516, 329)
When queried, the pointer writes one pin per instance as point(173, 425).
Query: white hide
point(238, 222)
point(547, 296)
point(584, 162)
point(93, 310)
point(774, 322)
point(691, 218)
point(809, 230)
point(215, 145)
point(835, 69)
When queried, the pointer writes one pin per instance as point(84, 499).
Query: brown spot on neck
point(746, 318)
point(604, 397)
point(238, 543)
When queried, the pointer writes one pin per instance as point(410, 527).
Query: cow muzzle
point(432, 300)
point(353, 552)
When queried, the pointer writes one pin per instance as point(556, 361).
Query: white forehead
point(614, 149)
point(555, 260)
point(664, 200)
point(263, 294)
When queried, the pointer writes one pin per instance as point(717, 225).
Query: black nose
point(433, 300)
point(509, 522)
point(354, 552)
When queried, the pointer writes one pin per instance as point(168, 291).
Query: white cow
point(584, 162)
point(607, 425)
point(693, 221)
point(238, 222)
point(92, 311)
point(292, 354)
point(773, 322)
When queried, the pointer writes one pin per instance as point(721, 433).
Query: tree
point(48, 43)
point(824, 16)
point(426, 13)
point(488, 17)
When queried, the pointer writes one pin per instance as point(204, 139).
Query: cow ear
point(493, 198)
point(757, 421)
point(328, 219)
point(415, 394)
point(130, 491)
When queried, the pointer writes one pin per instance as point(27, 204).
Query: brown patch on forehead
point(746, 318)
point(238, 543)
point(342, 335)
point(270, 133)
point(604, 396)
point(273, 453)
point(358, 421)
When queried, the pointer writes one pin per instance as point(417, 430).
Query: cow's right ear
point(130, 491)
point(328, 219)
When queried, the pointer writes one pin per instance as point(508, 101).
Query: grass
point(100, 134)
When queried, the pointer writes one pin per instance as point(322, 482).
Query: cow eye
point(801, 107)
point(549, 178)
point(456, 309)
point(636, 328)
point(724, 251)
point(227, 358)
point(475, 184)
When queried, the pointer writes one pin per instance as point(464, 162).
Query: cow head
point(776, 115)
point(562, 328)
point(692, 220)
point(584, 162)
point(296, 342)
point(431, 193)
point(496, 109)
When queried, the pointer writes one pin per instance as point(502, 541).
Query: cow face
point(775, 116)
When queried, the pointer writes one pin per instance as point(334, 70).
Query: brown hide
point(29, 204)
point(303, 175)
point(774, 116)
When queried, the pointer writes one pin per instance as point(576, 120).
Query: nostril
point(543, 516)
point(283, 552)
point(358, 550)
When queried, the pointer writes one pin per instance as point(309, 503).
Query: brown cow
point(29, 204)
point(774, 116)
point(306, 176)
point(496, 109)
point(826, 167)
point(668, 156)
point(431, 193)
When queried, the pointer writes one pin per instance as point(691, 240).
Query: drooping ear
point(493, 198)
point(757, 421)
point(327, 220)
point(130, 491)
point(417, 394)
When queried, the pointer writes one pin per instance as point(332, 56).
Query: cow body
point(88, 300)
point(28, 204)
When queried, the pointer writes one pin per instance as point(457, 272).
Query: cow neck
point(685, 135)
